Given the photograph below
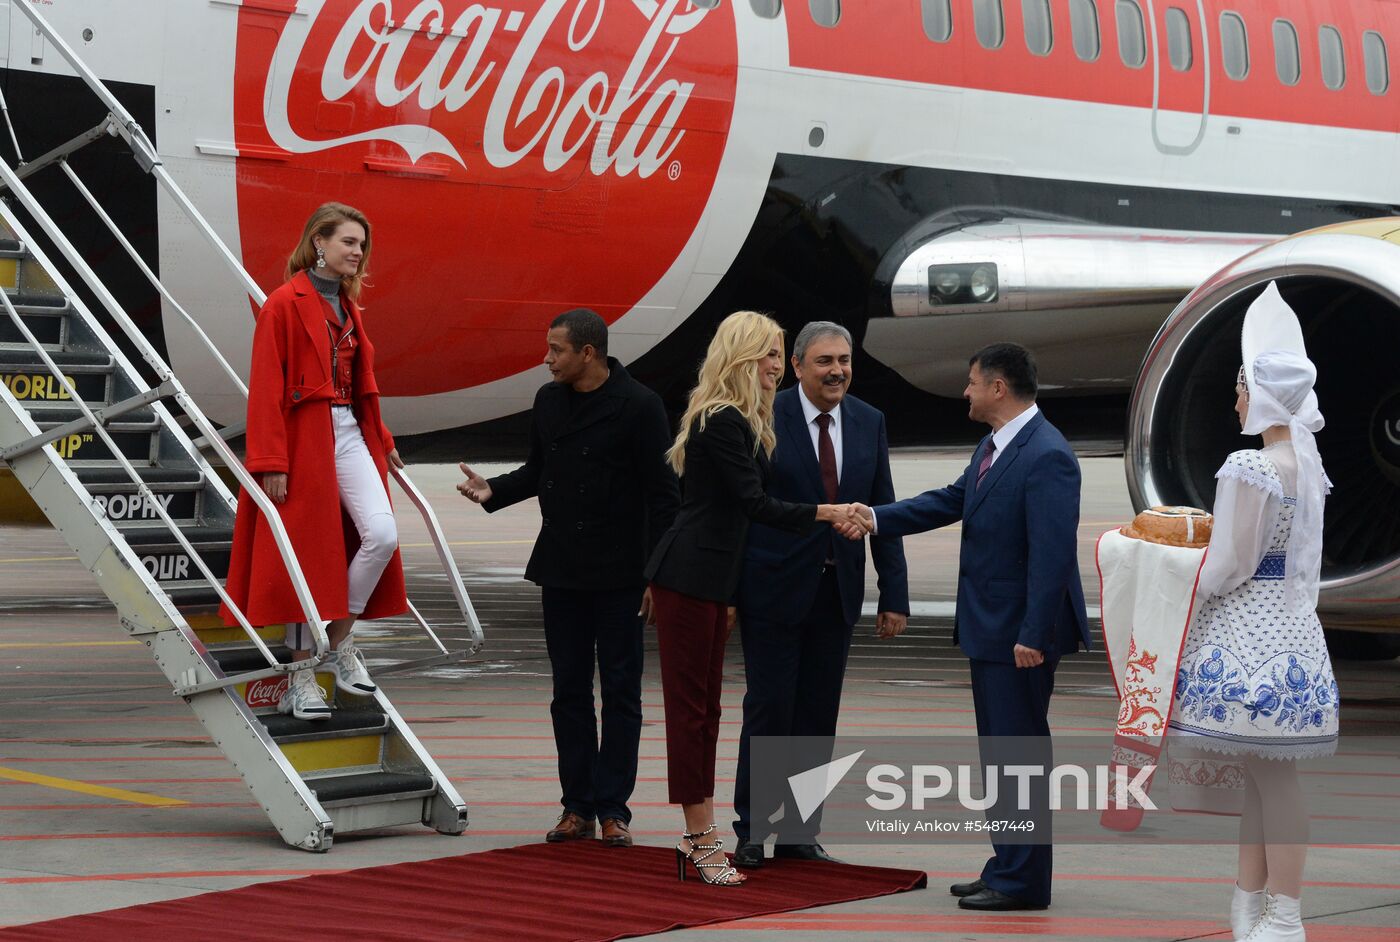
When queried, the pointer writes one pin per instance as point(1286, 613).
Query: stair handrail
point(166, 376)
point(148, 158)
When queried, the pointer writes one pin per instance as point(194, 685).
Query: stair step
point(137, 420)
point(43, 304)
point(12, 360)
point(361, 785)
point(108, 477)
point(165, 559)
point(158, 537)
point(285, 728)
point(29, 379)
point(45, 323)
point(241, 660)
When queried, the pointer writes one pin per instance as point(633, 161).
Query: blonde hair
point(729, 377)
point(327, 218)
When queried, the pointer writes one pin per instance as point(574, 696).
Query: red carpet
point(579, 892)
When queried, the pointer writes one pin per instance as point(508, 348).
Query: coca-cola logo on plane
point(514, 158)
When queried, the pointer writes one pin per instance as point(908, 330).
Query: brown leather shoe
point(571, 827)
point(616, 833)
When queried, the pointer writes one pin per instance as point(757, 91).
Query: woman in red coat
point(321, 451)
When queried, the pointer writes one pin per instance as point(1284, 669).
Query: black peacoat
point(598, 466)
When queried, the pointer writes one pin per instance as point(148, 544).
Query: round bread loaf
point(1174, 526)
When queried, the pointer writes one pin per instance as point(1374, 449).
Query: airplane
point(1109, 183)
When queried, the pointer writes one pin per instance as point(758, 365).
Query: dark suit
point(694, 573)
point(1018, 583)
point(795, 612)
point(598, 466)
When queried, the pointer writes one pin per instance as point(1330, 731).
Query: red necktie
point(986, 464)
point(826, 456)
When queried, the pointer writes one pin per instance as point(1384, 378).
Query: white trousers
point(366, 502)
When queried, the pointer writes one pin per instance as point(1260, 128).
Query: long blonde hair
point(729, 377)
point(323, 222)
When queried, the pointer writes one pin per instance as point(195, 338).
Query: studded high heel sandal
point(714, 872)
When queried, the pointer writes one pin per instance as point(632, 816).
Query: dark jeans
point(1015, 701)
point(794, 674)
point(596, 776)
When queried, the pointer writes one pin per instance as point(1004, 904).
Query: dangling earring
point(320, 258)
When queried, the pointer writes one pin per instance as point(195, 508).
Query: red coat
point(289, 430)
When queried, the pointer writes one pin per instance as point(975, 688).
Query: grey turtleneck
point(329, 288)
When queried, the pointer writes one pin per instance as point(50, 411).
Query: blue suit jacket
point(782, 570)
point(1018, 577)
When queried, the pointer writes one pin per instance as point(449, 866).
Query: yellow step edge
point(319, 755)
point(9, 273)
point(218, 634)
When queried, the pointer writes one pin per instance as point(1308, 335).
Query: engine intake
point(1344, 283)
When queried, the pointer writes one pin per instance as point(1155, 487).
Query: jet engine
point(1344, 283)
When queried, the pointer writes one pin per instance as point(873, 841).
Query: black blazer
point(722, 490)
point(606, 492)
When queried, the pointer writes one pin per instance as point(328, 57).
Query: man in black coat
point(597, 463)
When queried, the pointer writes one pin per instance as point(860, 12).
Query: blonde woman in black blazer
point(722, 455)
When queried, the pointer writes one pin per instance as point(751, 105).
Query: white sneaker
point(303, 698)
point(350, 673)
point(1282, 921)
point(1245, 910)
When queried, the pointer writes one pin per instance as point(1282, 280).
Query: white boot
point(1282, 921)
point(1245, 910)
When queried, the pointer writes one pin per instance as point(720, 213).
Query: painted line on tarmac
point(87, 788)
point(984, 926)
point(33, 559)
point(171, 875)
point(65, 644)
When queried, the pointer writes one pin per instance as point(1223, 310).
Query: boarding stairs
point(115, 456)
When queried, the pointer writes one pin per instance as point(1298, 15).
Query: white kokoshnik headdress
point(1280, 377)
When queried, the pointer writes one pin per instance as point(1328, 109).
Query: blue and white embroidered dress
point(1254, 677)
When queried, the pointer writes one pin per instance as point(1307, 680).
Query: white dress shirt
point(810, 413)
point(1004, 436)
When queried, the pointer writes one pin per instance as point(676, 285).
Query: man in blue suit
point(799, 597)
point(1020, 603)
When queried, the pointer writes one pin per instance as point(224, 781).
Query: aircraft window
point(1286, 52)
point(988, 22)
point(1234, 45)
point(825, 12)
point(768, 9)
point(1377, 68)
point(1035, 15)
point(1178, 39)
point(1132, 41)
point(706, 4)
point(938, 20)
point(1334, 66)
point(1084, 24)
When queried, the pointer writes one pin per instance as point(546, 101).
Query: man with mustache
point(799, 597)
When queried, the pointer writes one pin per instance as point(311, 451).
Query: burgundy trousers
point(691, 633)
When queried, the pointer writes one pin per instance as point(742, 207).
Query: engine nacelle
point(1344, 283)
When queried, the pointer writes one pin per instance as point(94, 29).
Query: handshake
point(853, 521)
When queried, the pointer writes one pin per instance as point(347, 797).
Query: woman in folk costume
point(1255, 679)
point(322, 452)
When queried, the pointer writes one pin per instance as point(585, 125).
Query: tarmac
point(90, 728)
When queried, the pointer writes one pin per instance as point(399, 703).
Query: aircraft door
point(1180, 74)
